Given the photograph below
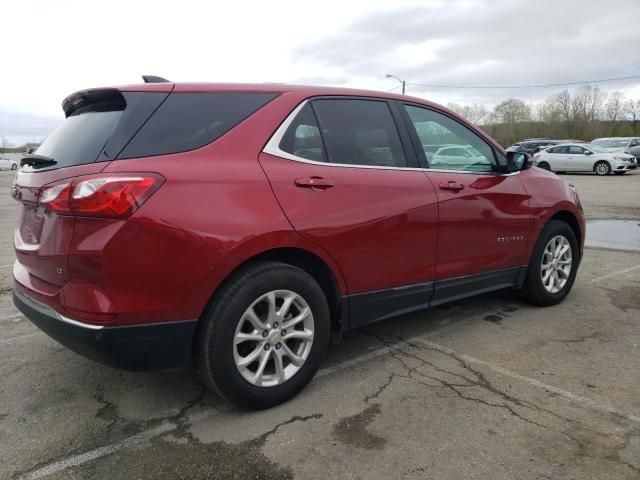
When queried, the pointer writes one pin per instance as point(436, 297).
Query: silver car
point(8, 164)
point(625, 144)
point(584, 158)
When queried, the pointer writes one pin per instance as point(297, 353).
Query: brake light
point(109, 195)
point(56, 197)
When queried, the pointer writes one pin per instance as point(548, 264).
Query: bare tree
point(613, 111)
point(632, 109)
point(512, 111)
point(475, 113)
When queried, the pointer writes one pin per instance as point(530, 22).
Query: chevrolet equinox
point(235, 227)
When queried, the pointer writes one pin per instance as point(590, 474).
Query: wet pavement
point(614, 234)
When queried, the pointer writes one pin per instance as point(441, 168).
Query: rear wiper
point(33, 159)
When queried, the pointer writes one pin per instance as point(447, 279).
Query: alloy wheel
point(273, 338)
point(556, 264)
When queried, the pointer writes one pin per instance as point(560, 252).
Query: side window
point(471, 154)
point(360, 132)
point(558, 150)
point(302, 138)
point(576, 150)
point(186, 121)
point(635, 142)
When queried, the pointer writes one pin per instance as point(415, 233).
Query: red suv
point(235, 227)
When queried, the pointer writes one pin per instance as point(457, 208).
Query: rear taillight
point(106, 195)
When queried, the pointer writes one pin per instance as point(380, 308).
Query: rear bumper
point(157, 346)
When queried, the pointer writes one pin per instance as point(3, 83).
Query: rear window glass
point(80, 138)
point(186, 121)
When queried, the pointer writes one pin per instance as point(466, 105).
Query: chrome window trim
point(273, 148)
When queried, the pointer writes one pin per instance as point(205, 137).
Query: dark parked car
point(530, 147)
point(234, 227)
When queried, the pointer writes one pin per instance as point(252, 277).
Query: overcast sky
point(55, 47)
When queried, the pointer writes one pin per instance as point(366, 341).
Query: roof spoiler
point(154, 79)
point(85, 97)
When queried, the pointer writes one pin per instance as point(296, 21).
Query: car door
point(348, 183)
point(557, 158)
point(578, 160)
point(484, 216)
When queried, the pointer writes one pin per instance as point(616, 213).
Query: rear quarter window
point(186, 121)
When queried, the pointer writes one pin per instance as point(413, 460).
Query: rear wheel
point(265, 336)
point(14, 166)
point(553, 266)
point(544, 166)
point(602, 168)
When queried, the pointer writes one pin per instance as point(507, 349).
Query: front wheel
point(265, 336)
point(553, 266)
point(602, 168)
point(14, 166)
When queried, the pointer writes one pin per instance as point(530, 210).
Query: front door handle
point(451, 185)
point(316, 183)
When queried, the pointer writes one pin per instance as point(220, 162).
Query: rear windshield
point(80, 138)
point(142, 124)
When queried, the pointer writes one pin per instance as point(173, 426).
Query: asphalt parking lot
point(486, 388)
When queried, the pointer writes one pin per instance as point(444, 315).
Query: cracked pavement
point(486, 388)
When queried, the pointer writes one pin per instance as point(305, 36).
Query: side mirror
point(517, 161)
point(588, 152)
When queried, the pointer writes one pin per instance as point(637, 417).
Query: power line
point(548, 85)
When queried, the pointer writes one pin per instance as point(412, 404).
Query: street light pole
point(401, 81)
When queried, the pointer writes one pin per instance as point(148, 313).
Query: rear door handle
point(316, 183)
point(451, 185)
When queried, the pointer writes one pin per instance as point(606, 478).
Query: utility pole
point(403, 82)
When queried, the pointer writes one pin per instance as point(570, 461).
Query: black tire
point(602, 168)
point(533, 290)
point(14, 166)
point(215, 353)
point(544, 166)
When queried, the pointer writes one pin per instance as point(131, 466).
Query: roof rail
point(154, 79)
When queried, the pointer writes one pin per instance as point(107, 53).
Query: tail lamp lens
point(111, 196)
point(56, 197)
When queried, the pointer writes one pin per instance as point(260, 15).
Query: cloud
point(511, 42)
point(21, 127)
point(353, 44)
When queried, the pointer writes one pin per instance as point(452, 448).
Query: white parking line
point(7, 265)
point(114, 447)
point(616, 273)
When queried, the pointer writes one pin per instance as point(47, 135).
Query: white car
point(453, 155)
point(626, 144)
point(584, 158)
point(8, 164)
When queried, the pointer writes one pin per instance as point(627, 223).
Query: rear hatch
point(99, 124)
